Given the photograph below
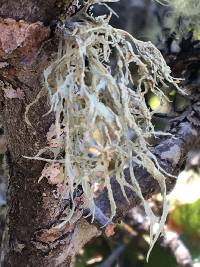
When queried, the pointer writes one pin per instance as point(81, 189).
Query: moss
point(97, 89)
point(187, 218)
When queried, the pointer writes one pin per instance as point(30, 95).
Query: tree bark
point(25, 52)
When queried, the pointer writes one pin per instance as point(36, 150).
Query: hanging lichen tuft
point(97, 89)
point(183, 17)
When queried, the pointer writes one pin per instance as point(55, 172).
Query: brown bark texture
point(35, 233)
point(26, 48)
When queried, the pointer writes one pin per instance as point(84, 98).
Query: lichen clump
point(97, 87)
point(184, 16)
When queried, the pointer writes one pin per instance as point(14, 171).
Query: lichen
point(97, 89)
point(184, 17)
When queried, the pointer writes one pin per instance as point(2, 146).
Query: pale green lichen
point(184, 16)
point(97, 89)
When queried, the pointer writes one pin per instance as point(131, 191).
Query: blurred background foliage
point(173, 27)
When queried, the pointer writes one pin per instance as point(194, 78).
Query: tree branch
point(171, 154)
point(171, 240)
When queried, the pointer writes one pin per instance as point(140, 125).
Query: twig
point(177, 248)
point(113, 256)
point(171, 239)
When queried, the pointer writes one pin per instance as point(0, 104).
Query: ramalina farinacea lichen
point(97, 87)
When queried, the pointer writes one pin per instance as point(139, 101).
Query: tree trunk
point(33, 207)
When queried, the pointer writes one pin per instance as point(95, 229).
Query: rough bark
point(32, 11)
point(35, 236)
point(24, 52)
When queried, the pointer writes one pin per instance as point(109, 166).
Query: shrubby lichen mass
point(97, 88)
point(184, 16)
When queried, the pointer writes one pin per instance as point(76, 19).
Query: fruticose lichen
point(97, 87)
point(184, 16)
